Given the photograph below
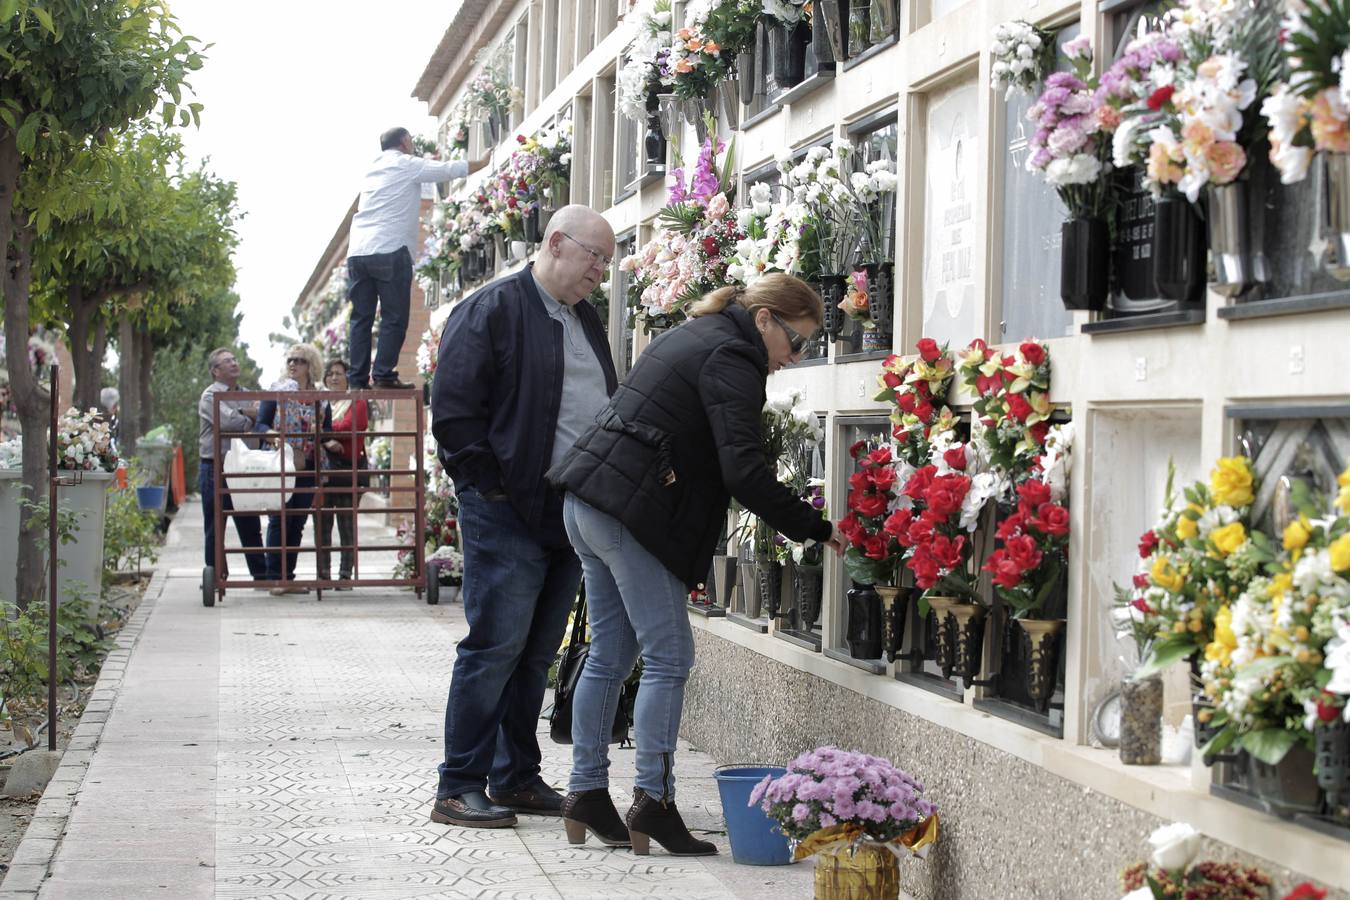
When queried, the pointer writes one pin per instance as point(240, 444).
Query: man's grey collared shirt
point(584, 392)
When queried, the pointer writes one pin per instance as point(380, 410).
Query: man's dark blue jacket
point(496, 392)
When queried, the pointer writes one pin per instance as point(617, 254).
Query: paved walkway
point(285, 748)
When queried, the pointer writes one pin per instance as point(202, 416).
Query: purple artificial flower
point(677, 192)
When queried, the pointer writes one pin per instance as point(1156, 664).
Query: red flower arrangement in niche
point(918, 388)
point(1033, 550)
point(873, 550)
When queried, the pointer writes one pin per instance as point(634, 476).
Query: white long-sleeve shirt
point(391, 198)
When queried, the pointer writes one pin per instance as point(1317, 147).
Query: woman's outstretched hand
point(837, 540)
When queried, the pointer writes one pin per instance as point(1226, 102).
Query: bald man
point(523, 369)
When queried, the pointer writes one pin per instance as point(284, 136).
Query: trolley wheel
point(209, 586)
point(433, 586)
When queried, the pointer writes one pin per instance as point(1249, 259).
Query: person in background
point(234, 416)
point(523, 368)
point(348, 414)
point(379, 252)
point(647, 489)
point(302, 364)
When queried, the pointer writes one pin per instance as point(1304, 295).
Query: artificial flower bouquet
point(1033, 553)
point(873, 553)
point(918, 389)
point(381, 453)
point(688, 256)
point(705, 49)
point(1012, 403)
point(1021, 55)
point(84, 442)
point(831, 798)
point(1071, 146)
point(851, 210)
point(1196, 562)
point(645, 66)
point(1171, 872)
point(428, 351)
point(1278, 667)
point(1308, 112)
point(490, 92)
point(1186, 94)
point(776, 235)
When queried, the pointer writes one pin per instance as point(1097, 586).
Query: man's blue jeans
point(382, 280)
point(297, 511)
point(635, 606)
point(517, 595)
point(248, 527)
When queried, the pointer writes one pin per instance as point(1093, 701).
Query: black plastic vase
point(1084, 264)
point(831, 292)
point(787, 47)
point(1178, 251)
point(864, 623)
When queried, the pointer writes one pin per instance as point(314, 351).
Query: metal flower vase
point(809, 583)
point(881, 294)
point(821, 52)
point(1141, 707)
point(770, 586)
point(1178, 250)
point(1337, 167)
point(1042, 636)
point(863, 633)
point(495, 121)
point(1084, 264)
point(747, 583)
point(869, 872)
point(745, 68)
point(834, 16)
point(1288, 787)
point(894, 610)
point(968, 619)
point(883, 21)
point(859, 28)
point(1332, 743)
point(727, 97)
point(946, 633)
point(670, 114)
point(831, 292)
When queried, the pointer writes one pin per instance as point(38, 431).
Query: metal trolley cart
point(402, 482)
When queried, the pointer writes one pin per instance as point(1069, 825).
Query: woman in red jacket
point(350, 415)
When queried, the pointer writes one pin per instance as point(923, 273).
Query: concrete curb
point(34, 854)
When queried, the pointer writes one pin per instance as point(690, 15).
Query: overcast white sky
point(296, 93)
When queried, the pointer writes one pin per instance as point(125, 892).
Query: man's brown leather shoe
point(472, 809)
point(535, 799)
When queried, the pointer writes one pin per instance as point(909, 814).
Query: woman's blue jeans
point(297, 511)
point(635, 606)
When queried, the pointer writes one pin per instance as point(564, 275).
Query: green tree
point(74, 73)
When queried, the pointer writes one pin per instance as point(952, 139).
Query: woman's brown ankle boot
point(652, 819)
point(593, 811)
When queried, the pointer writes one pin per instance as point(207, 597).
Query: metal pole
point(52, 480)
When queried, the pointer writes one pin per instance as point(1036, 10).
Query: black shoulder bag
point(571, 661)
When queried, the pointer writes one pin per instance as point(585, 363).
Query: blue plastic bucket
point(150, 497)
point(755, 838)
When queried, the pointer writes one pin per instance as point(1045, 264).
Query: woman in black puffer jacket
point(647, 492)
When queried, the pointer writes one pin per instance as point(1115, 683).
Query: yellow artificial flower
point(1229, 538)
point(1225, 641)
point(1280, 585)
point(1340, 553)
point(1343, 500)
point(1166, 577)
point(1186, 527)
point(1231, 481)
point(1296, 534)
point(1040, 406)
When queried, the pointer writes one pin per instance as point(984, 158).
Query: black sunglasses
point(297, 359)
point(796, 342)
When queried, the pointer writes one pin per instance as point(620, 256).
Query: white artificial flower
point(1338, 661)
point(1174, 846)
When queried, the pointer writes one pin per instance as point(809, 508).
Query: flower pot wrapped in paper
point(854, 812)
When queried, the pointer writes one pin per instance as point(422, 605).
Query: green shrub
point(129, 534)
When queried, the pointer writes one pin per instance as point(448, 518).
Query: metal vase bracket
point(1337, 167)
point(1178, 250)
point(1043, 659)
point(1084, 264)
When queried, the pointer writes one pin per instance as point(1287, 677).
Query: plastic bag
point(242, 460)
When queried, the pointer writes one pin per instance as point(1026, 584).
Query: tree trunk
point(145, 362)
point(31, 399)
point(87, 360)
point(127, 379)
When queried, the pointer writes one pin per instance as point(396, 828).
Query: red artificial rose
point(872, 505)
point(989, 384)
point(874, 547)
point(918, 483)
point(1011, 526)
point(1051, 518)
point(891, 380)
point(1161, 97)
point(900, 433)
point(891, 362)
point(1039, 431)
point(1033, 493)
point(946, 493)
point(522, 185)
point(955, 457)
point(851, 528)
point(1032, 352)
point(1018, 407)
point(860, 480)
point(1022, 550)
point(1141, 604)
point(907, 401)
point(979, 344)
point(1328, 709)
point(880, 456)
point(856, 447)
point(520, 139)
point(929, 350)
point(1006, 573)
point(925, 569)
point(947, 552)
point(883, 477)
point(512, 202)
point(924, 411)
point(897, 523)
point(920, 530)
point(1148, 542)
point(1307, 890)
point(710, 246)
point(1141, 581)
